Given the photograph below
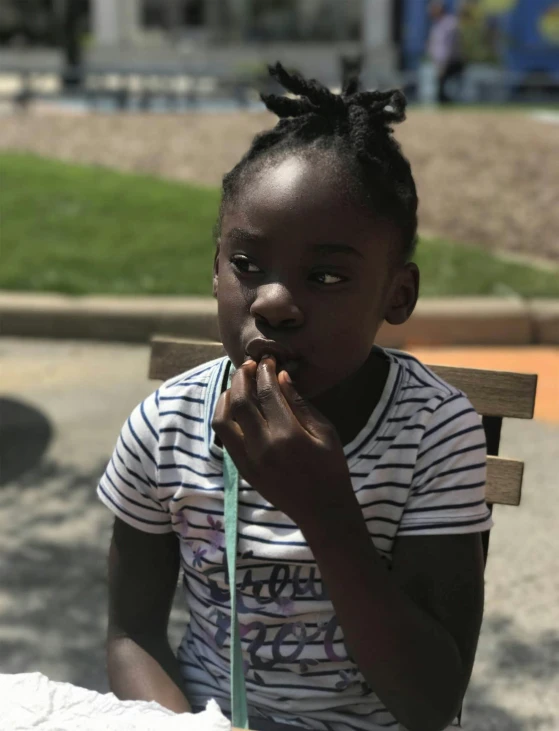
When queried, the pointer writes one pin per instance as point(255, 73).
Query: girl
point(359, 561)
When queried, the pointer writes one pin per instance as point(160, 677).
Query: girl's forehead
point(300, 191)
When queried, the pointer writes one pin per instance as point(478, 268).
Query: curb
point(441, 321)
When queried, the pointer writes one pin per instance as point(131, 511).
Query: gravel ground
point(71, 399)
point(483, 177)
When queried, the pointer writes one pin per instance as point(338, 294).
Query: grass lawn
point(88, 230)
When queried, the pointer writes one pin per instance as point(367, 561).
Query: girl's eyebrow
point(336, 248)
point(243, 236)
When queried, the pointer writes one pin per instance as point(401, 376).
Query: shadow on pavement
point(53, 575)
point(512, 660)
point(25, 434)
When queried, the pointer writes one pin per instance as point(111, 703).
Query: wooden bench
point(495, 395)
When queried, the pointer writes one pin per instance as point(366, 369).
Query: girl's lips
point(285, 358)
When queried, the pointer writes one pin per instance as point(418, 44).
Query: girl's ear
point(403, 295)
point(216, 268)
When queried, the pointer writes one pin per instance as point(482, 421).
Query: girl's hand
point(281, 445)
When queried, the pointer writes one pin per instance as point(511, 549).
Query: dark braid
point(357, 126)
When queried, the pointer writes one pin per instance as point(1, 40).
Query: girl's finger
point(276, 411)
point(310, 419)
point(229, 432)
point(243, 403)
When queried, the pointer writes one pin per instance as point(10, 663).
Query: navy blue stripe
point(202, 384)
point(469, 486)
point(259, 507)
point(259, 524)
point(465, 468)
point(120, 509)
point(450, 419)
point(426, 526)
point(215, 394)
point(121, 478)
point(452, 506)
point(125, 497)
point(274, 542)
point(188, 379)
point(417, 400)
point(145, 481)
point(395, 465)
point(176, 448)
point(198, 419)
point(382, 520)
point(144, 449)
point(211, 661)
point(449, 455)
point(399, 419)
point(188, 573)
point(456, 470)
point(174, 465)
point(469, 430)
point(156, 396)
point(400, 485)
point(419, 364)
point(204, 511)
point(380, 421)
point(216, 454)
point(127, 448)
point(189, 399)
point(147, 421)
point(178, 430)
point(422, 384)
point(191, 485)
point(405, 445)
point(395, 503)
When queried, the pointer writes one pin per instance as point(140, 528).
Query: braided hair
point(354, 125)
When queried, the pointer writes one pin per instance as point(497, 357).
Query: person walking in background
point(444, 49)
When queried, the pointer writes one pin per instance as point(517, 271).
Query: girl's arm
point(412, 631)
point(143, 572)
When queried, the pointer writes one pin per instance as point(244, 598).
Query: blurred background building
point(506, 44)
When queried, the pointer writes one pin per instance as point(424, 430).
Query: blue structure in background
point(530, 32)
point(527, 49)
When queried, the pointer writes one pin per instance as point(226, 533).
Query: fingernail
point(288, 377)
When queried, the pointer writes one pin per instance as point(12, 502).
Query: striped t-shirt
point(417, 467)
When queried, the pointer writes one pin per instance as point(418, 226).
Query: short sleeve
point(129, 485)
point(447, 494)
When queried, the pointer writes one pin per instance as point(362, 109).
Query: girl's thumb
point(309, 418)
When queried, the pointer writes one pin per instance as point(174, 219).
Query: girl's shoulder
point(416, 376)
point(182, 405)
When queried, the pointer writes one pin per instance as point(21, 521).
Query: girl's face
point(305, 274)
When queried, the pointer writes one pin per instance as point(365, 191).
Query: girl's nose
point(274, 304)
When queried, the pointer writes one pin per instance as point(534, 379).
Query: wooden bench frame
point(495, 395)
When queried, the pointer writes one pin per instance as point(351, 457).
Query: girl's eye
point(328, 278)
point(244, 265)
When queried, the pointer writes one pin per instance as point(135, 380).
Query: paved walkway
point(62, 406)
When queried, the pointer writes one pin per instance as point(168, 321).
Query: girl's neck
point(350, 404)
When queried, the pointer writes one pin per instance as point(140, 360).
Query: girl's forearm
point(145, 668)
point(408, 658)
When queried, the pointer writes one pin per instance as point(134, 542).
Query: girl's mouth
point(286, 360)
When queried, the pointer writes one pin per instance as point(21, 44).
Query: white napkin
point(32, 702)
